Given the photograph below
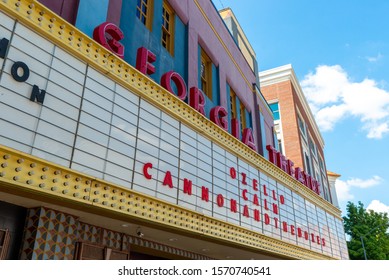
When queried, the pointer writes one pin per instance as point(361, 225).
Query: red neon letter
point(246, 211)
point(144, 58)
point(264, 190)
point(244, 177)
point(248, 138)
point(204, 193)
point(233, 206)
point(272, 154)
point(292, 230)
point(266, 207)
point(282, 199)
point(256, 200)
point(275, 222)
point(255, 184)
point(233, 172)
point(275, 208)
point(299, 175)
point(267, 219)
point(218, 115)
point(244, 194)
point(282, 162)
point(308, 180)
point(146, 168)
point(274, 195)
point(257, 215)
point(197, 100)
point(220, 200)
point(285, 226)
point(188, 186)
point(290, 168)
point(112, 43)
point(168, 181)
point(167, 79)
point(316, 186)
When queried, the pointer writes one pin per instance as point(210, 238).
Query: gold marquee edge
point(35, 178)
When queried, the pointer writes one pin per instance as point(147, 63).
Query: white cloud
point(376, 58)
point(327, 117)
point(334, 97)
point(344, 188)
point(363, 184)
point(378, 207)
point(376, 131)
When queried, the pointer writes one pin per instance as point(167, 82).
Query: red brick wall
point(284, 93)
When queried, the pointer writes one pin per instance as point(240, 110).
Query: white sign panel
point(57, 108)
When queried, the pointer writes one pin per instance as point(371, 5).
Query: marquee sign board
point(91, 124)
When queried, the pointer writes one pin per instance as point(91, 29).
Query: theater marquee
point(59, 108)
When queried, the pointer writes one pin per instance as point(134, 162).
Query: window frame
point(169, 31)
point(275, 111)
point(207, 79)
point(148, 15)
point(233, 104)
point(234, 110)
point(243, 120)
point(302, 126)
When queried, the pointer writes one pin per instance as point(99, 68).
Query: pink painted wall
point(201, 32)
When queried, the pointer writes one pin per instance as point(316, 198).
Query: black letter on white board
point(3, 47)
point(20, 77)
point(38, 94)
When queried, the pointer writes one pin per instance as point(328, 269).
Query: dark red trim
point(114, 11)
point(68, 11)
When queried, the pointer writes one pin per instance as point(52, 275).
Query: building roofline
point(286, 73)
point(239, 28)
point(333, 174)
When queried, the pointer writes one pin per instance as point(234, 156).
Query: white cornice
point(286, 73)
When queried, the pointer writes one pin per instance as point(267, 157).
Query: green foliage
point(372, 227)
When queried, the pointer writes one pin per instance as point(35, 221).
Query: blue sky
point(340, 53)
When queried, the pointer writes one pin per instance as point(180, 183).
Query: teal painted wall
point(137, 35)
point(91, 13)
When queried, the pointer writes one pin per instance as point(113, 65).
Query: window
point(301, 125)
point(276, 111)
point(280, 146)
point(233, 104)
point(307, 164)
point(167, 27)
point(243, 123)
point(143, 12)
point(206, 74)
point(234, 110)
point(321, 165)
point(312, 146)
point(325, 189)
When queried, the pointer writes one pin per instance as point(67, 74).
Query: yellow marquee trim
point(33, 177)
point(48, 24)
